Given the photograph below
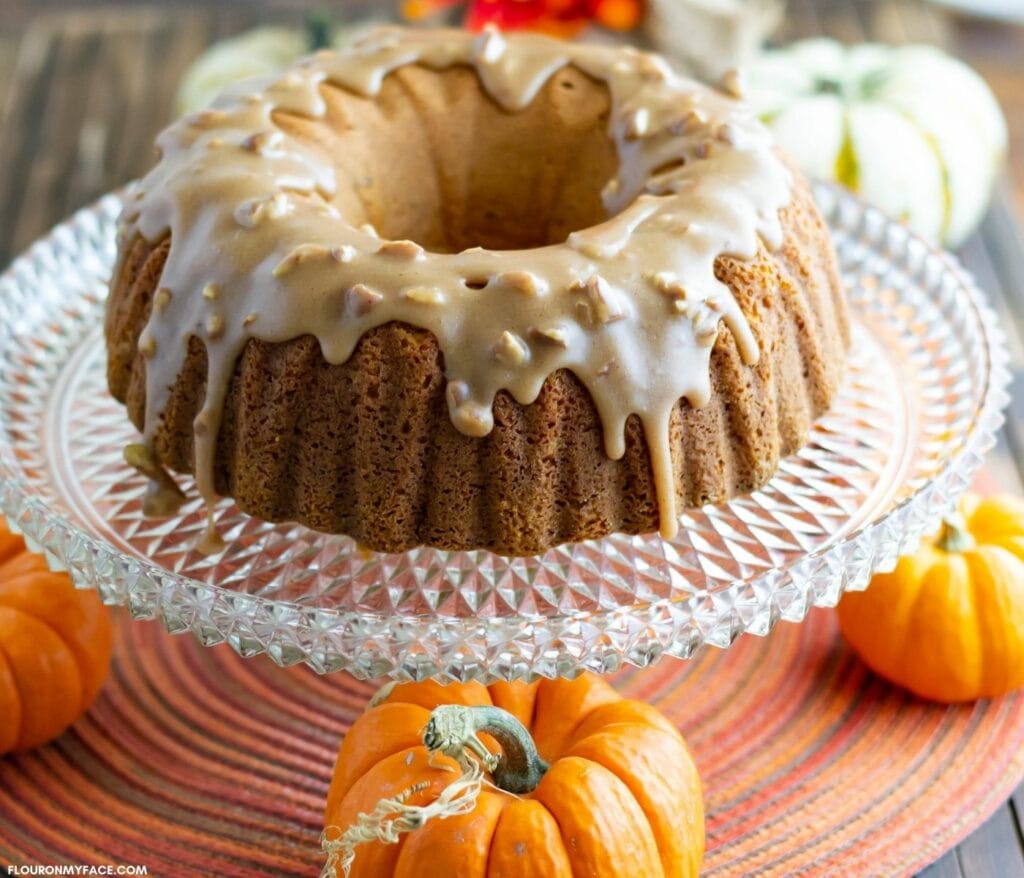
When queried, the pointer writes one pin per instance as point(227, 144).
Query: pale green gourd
point(911, 129)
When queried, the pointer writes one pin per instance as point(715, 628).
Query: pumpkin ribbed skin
point(55, 644)
point(621, 797)
point(911, 129)
point(948, 624)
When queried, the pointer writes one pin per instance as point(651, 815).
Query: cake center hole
point(434, 159)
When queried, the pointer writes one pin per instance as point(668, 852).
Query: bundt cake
point(472, 291)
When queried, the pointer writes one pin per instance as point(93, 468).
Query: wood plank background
point(84, 87)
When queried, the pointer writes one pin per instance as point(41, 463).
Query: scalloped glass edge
point(371, 645)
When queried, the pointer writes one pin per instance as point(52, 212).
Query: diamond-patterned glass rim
point(416, 646)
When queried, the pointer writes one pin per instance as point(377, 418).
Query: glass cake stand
point(923, 397)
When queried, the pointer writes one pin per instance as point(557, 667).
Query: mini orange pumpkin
point(55, 644)
point(584, 783)
point(948, 622)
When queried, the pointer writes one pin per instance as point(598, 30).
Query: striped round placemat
point(197, 762)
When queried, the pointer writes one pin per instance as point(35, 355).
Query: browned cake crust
point(367, 447)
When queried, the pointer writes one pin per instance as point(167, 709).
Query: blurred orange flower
point(561, 17)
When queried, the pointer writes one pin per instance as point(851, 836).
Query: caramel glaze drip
point(631, 306)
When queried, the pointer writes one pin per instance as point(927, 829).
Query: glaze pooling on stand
point(631, 306)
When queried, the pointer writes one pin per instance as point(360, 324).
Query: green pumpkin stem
point(453, 728)
point(318, 30)
point(954, 536)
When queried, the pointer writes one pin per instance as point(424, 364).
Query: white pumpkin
point(909, 128)
point(261, 51)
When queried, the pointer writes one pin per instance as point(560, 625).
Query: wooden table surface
point(85, 86)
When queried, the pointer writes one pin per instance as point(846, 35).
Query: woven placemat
point(197, 762)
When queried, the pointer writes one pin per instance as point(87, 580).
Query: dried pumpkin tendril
point(453, 731)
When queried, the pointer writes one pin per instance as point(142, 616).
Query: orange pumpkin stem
point(954, 536)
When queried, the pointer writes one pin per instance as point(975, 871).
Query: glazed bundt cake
point(472, 291)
